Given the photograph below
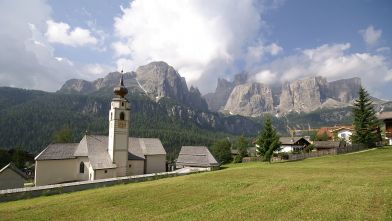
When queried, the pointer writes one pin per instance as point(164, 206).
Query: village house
point(386, 118)
point(98, 157)
point(328, 145)
point(11, 177)
point(196, 156)
point(336, 133)
point(292, 144)
point(343, 133)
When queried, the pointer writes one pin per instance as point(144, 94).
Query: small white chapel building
point(98, 157)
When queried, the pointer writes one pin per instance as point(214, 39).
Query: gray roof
point(150, 146)
point(58, 151)
point(12, 167)
point(196, 156)
point(385, 115)
point(290, 140)
point(328, 144)
point(95, 147)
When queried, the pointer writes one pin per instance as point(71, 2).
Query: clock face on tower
point(122, 124)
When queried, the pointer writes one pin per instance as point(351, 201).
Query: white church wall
point(55, 171)
point(155, 163)
point(135, 167)
point(105, 173)
point(9, 179)
point(85, 175)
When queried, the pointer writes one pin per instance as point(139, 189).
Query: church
point(99, 157)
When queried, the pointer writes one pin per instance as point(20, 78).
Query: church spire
point(121, 90)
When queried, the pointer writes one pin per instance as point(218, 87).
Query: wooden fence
point(334, 151)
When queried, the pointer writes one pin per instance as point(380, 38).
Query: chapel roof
point(12, 167)
point(291, 140)
point(196, 156)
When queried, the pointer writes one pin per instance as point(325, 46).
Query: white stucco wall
point(155, 163)
point(56, 171)
point(286, 149)
point(104, 173)
point(85, 175)
point(9, 179)
point(135, 167)
point(345, 134)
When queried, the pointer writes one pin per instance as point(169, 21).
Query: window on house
point(130, 165)
point(106, 171)
point(122, 116)
point(81, 167)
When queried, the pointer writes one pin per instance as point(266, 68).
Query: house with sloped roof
point(97, 156)
point(11, 177)
point(386, 118)
point(329, 144)
point(196, 156)
point(292, 144)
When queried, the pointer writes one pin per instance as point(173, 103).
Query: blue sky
point(274, 40)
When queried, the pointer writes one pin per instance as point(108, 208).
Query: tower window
point(122, 116)
point(111, 116)
point(81, 167)
point(122, 104)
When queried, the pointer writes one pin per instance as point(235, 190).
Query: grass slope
point(345, 187)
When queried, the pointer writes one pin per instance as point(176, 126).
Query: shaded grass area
point(345, 187)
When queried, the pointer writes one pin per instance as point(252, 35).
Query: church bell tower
point(119, 116)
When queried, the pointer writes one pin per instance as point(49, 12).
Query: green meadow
point(346, 187)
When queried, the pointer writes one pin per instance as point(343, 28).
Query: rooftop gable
point(12, 167)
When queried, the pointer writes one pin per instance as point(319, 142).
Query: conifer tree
point(365, 123)
point(242, 147)
point(268, 140)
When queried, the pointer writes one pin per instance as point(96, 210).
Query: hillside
point(28, 119)
point(345, 187)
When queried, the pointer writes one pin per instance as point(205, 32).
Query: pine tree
point(268, 140)
point(366, 124)
point(242, 147)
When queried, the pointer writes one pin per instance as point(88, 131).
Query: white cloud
point(193, 36)
point(27, 59)
point(371, 35)
point(59, 32)
point(265, 77)
point(96, 70)
point(333, 62)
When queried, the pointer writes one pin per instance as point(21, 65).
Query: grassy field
point(345, 187)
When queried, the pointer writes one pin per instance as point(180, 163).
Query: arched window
point(81, 167)
point(122, 116)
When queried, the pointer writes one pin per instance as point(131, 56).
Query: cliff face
point(306, 95)
point(303, 95)
point(156, 80)
point(216, 101)
point(250, 99)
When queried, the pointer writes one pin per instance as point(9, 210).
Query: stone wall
point(30, 192)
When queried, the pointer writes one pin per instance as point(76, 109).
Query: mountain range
point(162, 106)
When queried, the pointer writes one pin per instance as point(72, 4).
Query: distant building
point(343, 133)
point(386, 118)
point(327, 145)
point(292, 144)
point(98, 157)
point(11, 177)
point(196, 156)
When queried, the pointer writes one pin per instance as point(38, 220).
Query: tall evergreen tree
point(268, 140)
point(242, 147)
point(365, 123)
point(221, 149)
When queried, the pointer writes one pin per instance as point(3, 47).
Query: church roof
point(58, 151)
point(148, 146)
point(196, 156)
point(95, 147)
point(12, 167)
